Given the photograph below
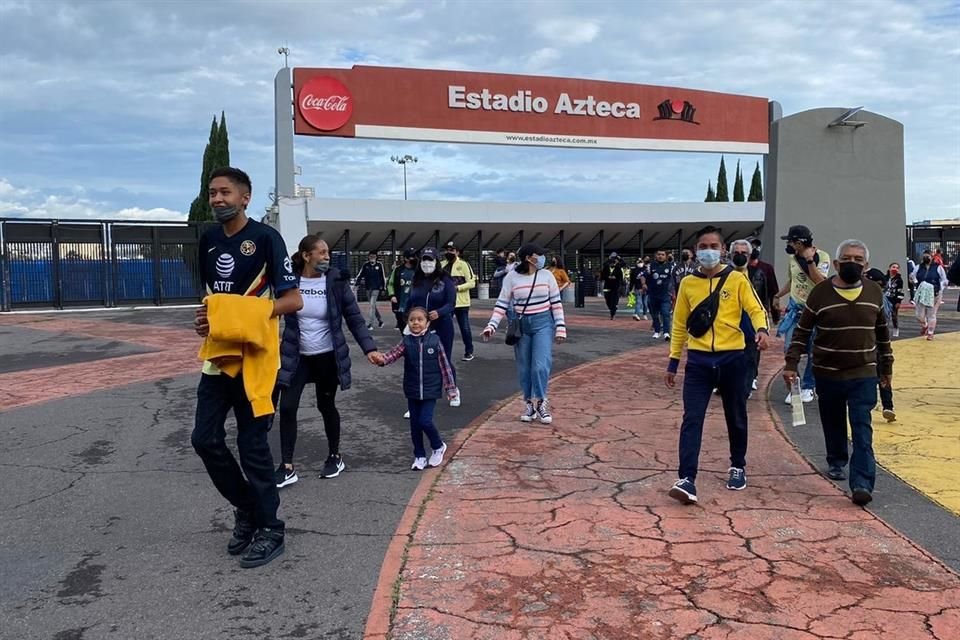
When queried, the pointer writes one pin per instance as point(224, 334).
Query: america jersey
point(253, 262)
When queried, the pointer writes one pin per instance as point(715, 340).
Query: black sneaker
point(861, 497)
point(835, 472)
point(468, 357)
point(285, 476)
point(332, 467)
point(267, 545)
point(683, 490)
point(736, 479)
point(380, 326)
point(243, 530)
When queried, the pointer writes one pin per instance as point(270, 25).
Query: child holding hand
point(427, 376)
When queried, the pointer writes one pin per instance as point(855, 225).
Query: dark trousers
point(322, 371)
point(839, 399)
point(256, 493)
point(751, 357)
point(399, 315)
point(463, 320)
point(612, 296)
point(421, 422)
point(703, 374)
point(444, 328)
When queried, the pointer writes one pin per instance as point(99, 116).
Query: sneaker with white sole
point(406, 415)
point(736, 479)
point(455, 402)
point(788, 399)
point(656, 335)
point(636, 317)
point(419, 464)
point(754, 385)
point(896, 333)
point(468, 357)
point(436, 458)
point(889, 415)
point(529, 413)
point(807, 395)
point(332, 467)
point(543, 413)
point(684, 491)
point(285, 476)
point(666, 336)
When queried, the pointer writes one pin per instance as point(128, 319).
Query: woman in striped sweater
point(531, 292)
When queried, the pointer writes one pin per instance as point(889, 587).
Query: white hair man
point(851, 350)
point(740, 255)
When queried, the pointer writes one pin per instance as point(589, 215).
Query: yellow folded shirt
point(244, 338)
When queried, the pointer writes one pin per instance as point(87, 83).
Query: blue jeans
point(444, 328)
point(640, 307)
point(785, 329)
point(534, 354)
point(253, 489)
point(421, 422)
point(661, 311)
point(705, 372)
point(463, 321)
point(837, 400)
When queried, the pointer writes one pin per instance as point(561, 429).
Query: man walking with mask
point(463, 276)
point(373, 278)
point(660, 294)
point(808, 268)
point(851, 350)
point(398, 286)
point(612, 278)
point(249, 282)
point(710, 305)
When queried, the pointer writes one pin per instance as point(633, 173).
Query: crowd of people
point(718, 303)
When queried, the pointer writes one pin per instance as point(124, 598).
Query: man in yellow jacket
point(715, 358)
point(242, 257)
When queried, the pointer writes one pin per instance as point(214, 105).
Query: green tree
point(215, 155)
point(711, 196)
point(722, 195)
point(756, 186)
point(738, 185)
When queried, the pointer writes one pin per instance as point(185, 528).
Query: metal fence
point(49, 263)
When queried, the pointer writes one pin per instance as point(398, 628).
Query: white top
point(314, 318)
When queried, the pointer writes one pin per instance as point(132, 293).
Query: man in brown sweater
point(851, 350)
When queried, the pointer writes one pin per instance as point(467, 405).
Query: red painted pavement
point(566, 531)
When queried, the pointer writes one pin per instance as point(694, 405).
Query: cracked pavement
point(566, 531)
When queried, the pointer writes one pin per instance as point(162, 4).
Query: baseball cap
point(409, 252)
point(798, 232)
point(614, 254)
point(450, 245)
point(430, 253)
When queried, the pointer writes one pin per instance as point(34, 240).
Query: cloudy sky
point(105, 106)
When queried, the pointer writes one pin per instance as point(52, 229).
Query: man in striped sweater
point(851, 350)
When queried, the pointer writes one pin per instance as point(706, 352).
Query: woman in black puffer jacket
point(314, 349)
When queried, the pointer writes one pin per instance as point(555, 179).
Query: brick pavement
point(566, 531)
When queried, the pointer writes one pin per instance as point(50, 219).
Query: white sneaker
point(529, 413)
point(807, 395)
point(543, 413)
point(406, 415)
point(436, 458)
point(666, 336)
point(788, 399)
point(656, 335)
point(896, 333)
point(644, 316)
point(419, 464)
point(636, 317)
point(754, 386)
point(456, 400)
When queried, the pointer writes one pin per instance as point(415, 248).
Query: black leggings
point(322, 371)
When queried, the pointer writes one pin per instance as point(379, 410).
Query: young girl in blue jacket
point(427, 375)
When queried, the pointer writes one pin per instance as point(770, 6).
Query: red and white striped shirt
point(545, 297)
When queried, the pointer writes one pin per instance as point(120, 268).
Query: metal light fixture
point(403, 160)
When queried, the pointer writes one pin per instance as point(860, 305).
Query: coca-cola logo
point(325, 103)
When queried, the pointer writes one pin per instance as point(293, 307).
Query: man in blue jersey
point(660, 294)
point(246, 258)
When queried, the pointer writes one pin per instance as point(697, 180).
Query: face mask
point(428, 266)
point(790, 250)
point(541, 261)
point(926, 259)
point(450, 256)
point(225, 214)
point(755, 254)
point(709, 258)
point(685, 257)
point(739, 259)
point(850, 272)
point(322, 266)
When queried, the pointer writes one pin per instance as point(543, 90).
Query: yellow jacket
point(462, 274)
point(244, 338)
point(736, 297)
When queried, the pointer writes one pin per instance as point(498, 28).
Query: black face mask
point(850, 272)
point(927, 260)
point(739, 259)
point(790, 249)
point(755, 254)
point(450, 256)
point(685, 257)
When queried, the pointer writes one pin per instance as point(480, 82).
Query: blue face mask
point(541, 261)
point(708, 258)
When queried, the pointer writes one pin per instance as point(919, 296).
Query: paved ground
point(111, 528)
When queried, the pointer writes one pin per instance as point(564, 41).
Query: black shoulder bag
point(514, 330)
point(704, 314)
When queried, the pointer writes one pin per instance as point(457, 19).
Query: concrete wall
point(842, 182)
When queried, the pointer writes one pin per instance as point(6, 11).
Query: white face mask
point(428, 266)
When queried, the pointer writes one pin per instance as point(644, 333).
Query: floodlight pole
point(403, 160)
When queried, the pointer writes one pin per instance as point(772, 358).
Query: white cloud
point(568, 30)
point(17, 202)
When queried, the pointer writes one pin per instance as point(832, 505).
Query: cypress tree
point(722, 195)
point(738, 185)
point(756, 186)
point(711, 196)
point(215, 155)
